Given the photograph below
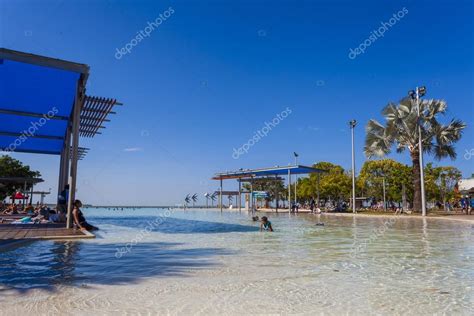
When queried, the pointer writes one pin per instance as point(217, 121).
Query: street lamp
point(384, 196)
point(296, 175)
point(352, 125)
point(415, 95)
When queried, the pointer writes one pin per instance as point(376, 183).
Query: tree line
point(336, 183)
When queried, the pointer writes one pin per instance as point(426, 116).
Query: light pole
point(384, 196)
point(415, 95)
point(352, 125)
point(296, 175)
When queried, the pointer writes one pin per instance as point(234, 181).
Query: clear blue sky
point(214, 72)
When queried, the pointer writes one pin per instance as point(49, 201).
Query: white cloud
point(133, 149)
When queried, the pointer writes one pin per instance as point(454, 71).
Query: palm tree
point(187, 199)
point(231, 198)
point(207, 196)
point(194, 198)
point(401, 131)
point(213, 198)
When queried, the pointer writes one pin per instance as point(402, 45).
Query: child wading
point(265, 224)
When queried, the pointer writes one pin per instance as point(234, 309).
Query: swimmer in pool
point(265, 224)
point(255, 218)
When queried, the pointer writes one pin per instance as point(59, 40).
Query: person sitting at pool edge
point(79, 218)
point(265, 224)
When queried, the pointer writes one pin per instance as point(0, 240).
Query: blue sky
point(215, 72)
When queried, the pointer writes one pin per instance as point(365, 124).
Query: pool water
point(175, 262)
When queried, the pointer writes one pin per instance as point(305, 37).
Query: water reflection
point(47, 265)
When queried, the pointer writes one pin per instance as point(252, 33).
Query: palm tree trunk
point(415, 158)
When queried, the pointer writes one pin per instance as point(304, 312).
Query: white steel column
point(61, 170)
point(67, 157)
point(251, 194)
point(420, 149)
point(74, 157)
point(289, 191)
point(240, 196)
point(220, 195)
point(353, 125)
point(296, 181)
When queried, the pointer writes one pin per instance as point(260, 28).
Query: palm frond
point(401, 129)
point(376, 143)
point(442, 151)
point(431, 108)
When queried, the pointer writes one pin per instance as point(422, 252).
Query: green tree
point(447, 181)
point(397, 176)
point(335, 183)
point(431, 188)
point(440, 183)
point(10, 167)
point(275, 188)
point(306, 189)
point(401, 131)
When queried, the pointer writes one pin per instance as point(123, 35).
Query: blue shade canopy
point(27, 124)
point(31, 145)
point(37, 96)
point(275, 171)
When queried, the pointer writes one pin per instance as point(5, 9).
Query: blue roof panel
point(33, 145)
point(33, 89)
point(32, 125)
point(37, 89)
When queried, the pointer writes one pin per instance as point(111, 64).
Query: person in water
point(265, 224)
point(79, 218)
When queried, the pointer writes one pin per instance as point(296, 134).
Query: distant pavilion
point(275, 174)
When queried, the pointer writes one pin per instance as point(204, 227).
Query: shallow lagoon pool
point(159, 261)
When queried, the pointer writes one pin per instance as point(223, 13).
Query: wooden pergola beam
point(44, 61)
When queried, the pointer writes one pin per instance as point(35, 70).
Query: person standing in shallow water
point(312, 205)
point(266, 225)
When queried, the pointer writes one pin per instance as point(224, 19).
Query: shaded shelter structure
point(250, 175)
point(44, 109)
point(24, 182)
